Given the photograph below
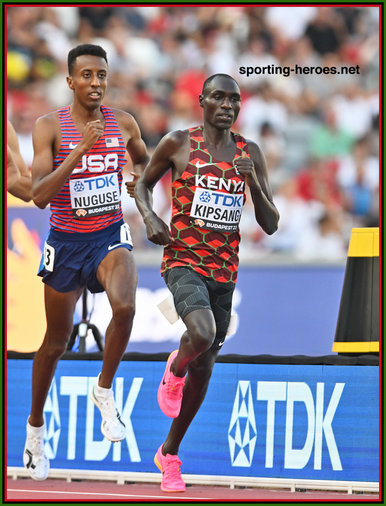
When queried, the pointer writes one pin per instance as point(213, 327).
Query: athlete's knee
point(123, 312)
point(201, 334)
point(54, 347)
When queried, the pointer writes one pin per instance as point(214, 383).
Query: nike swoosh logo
point(30, 457)
point(114, 246)
point(72, 146)
point(200, 165)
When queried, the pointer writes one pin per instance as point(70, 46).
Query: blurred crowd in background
point(319, 132)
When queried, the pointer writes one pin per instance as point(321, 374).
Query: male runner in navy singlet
point(210, 167)
point(79, 153)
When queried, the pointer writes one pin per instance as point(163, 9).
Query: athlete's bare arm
point(46, 182)
point(254, 170)
point(134, 144)
point(171, 153)
point(20, 187)
point(13, 173)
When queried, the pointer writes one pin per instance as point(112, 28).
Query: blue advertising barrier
point(279, 309)
point(258, 420)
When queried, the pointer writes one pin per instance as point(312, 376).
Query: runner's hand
point(130, 185)
point(244, 166)
point(157, 231)
point(91, 133)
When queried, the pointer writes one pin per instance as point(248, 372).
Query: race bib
point(48, 257)
point(216, 210)
point(94, 196)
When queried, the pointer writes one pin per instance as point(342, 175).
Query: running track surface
point(28, 490)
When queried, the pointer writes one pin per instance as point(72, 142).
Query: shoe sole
point(160, 385)
point(95, 401)
point(158, 464)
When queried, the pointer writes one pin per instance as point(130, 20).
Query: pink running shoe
point(170, 390)
point(170, 467)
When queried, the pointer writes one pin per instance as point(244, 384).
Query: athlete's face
point(221, 102)
point(88, 80)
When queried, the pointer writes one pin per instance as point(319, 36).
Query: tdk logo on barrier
point(243, 430)
point(52, 419)
point(96, 447)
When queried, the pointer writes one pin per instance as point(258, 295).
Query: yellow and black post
point(357, 329)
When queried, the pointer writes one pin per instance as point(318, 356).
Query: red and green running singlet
point(207, 201)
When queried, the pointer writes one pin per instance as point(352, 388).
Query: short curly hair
point(208, 81)
point(88, 49)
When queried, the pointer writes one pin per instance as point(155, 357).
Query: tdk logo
point(72, 393)
point(228, 200)
point(288, 407)
point(96, 183)
point(242, 428)
point(205, 197)
point(52, 419)
point(78, 186)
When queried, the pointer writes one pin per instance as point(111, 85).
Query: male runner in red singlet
point(210, 168)
point(79, 153)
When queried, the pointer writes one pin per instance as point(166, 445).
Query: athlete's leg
point(192, 301)
point(200, 369)
point(204, 326)
point(59, 309)
point(196, 385)
point(198, 338)
point(117, 273)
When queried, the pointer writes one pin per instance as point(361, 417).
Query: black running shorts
point(192, 291)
